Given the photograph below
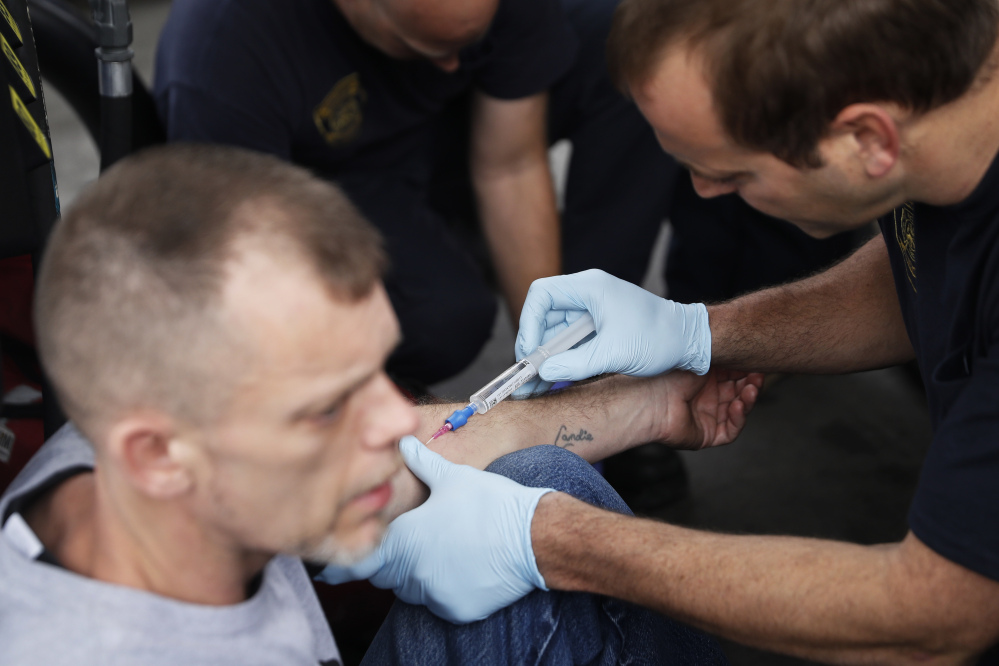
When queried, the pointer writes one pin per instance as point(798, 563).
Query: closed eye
point(330, 412)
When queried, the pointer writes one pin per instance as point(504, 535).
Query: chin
point(338, 551)
point(818, 230)
point(820, 233)
point(330, 551)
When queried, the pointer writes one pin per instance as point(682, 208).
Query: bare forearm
point(823, 600)
point(521, 224)
point(843, 320)
point(513, 184)
point(594, 420)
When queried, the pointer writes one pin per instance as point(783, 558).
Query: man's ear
point(151, 455)
point(875, 136)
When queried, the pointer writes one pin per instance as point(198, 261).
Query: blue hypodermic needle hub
point(460, 417)
point(455, 421)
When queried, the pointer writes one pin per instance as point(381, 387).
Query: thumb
point(571, 365)
point(428, 466)
point(525, 338)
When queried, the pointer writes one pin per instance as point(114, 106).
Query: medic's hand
point(465, 552)
point(638, 333)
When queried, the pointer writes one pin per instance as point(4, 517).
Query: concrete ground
point(828, 457)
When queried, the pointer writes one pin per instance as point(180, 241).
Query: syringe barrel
point(523, 371)
point(502, 386)
point(563, 341)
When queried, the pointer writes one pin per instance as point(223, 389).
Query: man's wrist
point(557, 530)
point(719, 317)
point(643, 406)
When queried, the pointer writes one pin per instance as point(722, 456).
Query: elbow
point(920, 657)
point(945, 646)
point(942, 612)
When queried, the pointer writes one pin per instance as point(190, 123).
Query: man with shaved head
point(215, 325)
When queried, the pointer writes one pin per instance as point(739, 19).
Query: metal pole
point(114, 62)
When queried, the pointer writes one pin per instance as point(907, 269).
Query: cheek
point(332, 480)
point(764, 200)
point(809, 213)
point(777, 198)
point(275, 507)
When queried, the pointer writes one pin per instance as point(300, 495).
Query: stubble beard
point(331, 552)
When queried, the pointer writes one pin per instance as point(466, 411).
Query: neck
point(140, 543)
point(948, 150)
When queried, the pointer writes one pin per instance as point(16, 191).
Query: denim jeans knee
point(549, 466)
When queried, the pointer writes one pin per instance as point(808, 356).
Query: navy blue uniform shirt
point(945, 261)
point(292, 78)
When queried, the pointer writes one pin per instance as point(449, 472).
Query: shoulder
point(67, 449)
point(231, 36)
point(529, 46)
point(43, 620)
point(196, 18)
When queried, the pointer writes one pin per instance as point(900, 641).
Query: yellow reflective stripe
point(29, 123)
point(11, 22)
point(18, 67)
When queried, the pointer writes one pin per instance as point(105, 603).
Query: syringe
point(517, 374)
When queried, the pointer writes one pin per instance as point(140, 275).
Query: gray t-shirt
point(50, 615)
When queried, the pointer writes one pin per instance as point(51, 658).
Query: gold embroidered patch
point(905, 236)
point(339, 116)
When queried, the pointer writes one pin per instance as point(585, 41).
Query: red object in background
point(17, 283)
point(16, 289)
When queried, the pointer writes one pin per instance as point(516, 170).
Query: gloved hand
point(465, 552)
point(536, 386)
point(638, 333)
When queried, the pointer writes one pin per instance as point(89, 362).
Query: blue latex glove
point(465, 552)
point(536, 386)
point(638, 333)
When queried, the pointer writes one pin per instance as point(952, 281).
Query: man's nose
point(707, 188)
point(392, 416)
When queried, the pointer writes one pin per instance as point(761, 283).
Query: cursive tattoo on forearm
point(567, 439)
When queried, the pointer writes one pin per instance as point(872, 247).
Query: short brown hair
point(781, 70)
point(129, 292)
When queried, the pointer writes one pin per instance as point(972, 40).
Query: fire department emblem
point(340, 115)
point(905, 236)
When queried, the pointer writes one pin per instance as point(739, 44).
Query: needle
point(446, 428)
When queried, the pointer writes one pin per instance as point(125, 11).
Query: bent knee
point(549, 466)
